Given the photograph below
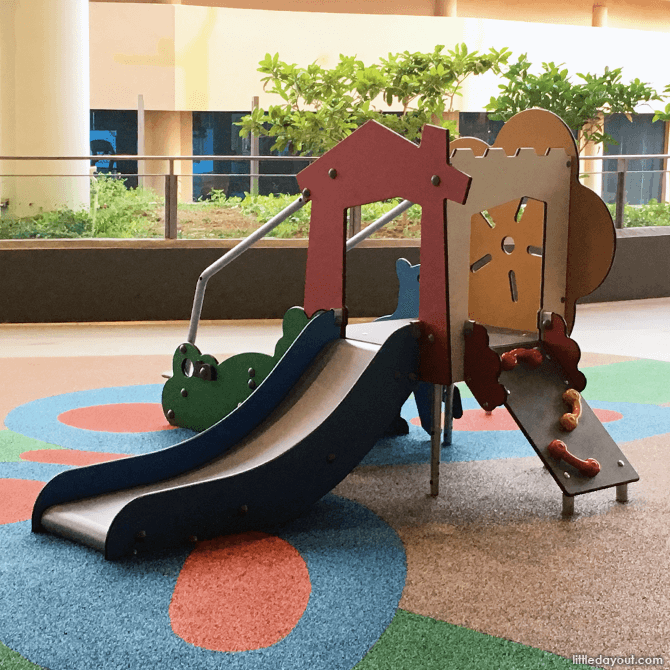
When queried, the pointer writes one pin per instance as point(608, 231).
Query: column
point(599, 15)
point(593, 181)
point(44, 103)
point(168, 133)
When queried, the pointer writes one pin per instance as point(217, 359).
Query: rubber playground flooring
point(378, 575)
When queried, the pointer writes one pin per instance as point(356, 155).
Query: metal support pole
point(354, 221)
point(622, 493)
point(568, 505)
point(622, 168)
point(254, 165)
point(435, 438)
point(140, 140)
point(448, 416)
point(376, 225)
point(229, 257)
point(171, 204)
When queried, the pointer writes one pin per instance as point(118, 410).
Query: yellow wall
point(204, 58)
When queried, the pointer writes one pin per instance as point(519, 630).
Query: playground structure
point(510, 241)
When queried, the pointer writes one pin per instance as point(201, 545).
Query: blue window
point(641, 136)
point(114, 132)
point(215, 134)
point(478, 124)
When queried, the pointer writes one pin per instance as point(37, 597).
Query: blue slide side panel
point(284, 487)
point(125, 473)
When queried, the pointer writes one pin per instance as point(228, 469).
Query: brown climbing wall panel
point(499, 183)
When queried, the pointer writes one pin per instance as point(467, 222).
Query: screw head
point(184, 393)
point(252, 372)
point(620, 464)
point(251, 384)
point(566, 475)
point(306, 193)
point(431, 338)
point(435, 180)
point(170, 414)
point(183, 348)
point(331, 458)
point(332, 173)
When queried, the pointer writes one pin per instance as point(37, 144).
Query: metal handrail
point(623, 156)
point(229, 257)
point(171, 178)
point(134, 157)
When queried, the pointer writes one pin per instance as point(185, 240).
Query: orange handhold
point(532, 357)
point(558, 450)
point(569, 421)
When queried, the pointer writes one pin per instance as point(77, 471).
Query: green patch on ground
point(12, 445)
point(419, 642)
point(645, 382)
point(12, 660)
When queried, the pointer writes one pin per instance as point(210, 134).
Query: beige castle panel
point(591, 237)
point(499, 179)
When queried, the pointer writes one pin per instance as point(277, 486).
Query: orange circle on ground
point(18, 498)
point(134, 417)
point(240, 592)
point(500, 419)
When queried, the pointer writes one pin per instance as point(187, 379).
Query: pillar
point(168, 133)
point(445, 8)
point(44, 103)
point(593, 181)
point(599, 15)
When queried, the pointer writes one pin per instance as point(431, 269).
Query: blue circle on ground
point(39, 419)
point(638, 421)
point(66, 608)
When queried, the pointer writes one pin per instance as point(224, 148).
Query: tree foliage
point(663, 114)
point(582, 104)
point(323, 106)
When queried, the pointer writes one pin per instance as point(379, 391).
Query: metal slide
point(317, 433)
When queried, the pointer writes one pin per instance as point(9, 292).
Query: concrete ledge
point(641, 267)
point(154, 280)
point(54, 281)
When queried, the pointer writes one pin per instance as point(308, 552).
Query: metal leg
point(448, 416)
point(435, 438)
point(568, 505)
point(622, 493)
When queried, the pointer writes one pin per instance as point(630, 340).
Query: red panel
point(482, 369)
point(372, 164)
point(564, 350)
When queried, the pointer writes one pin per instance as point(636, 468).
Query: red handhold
point(532, 357)
point(558, 450)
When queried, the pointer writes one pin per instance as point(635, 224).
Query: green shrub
point(115, 212)
point(654, 213)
